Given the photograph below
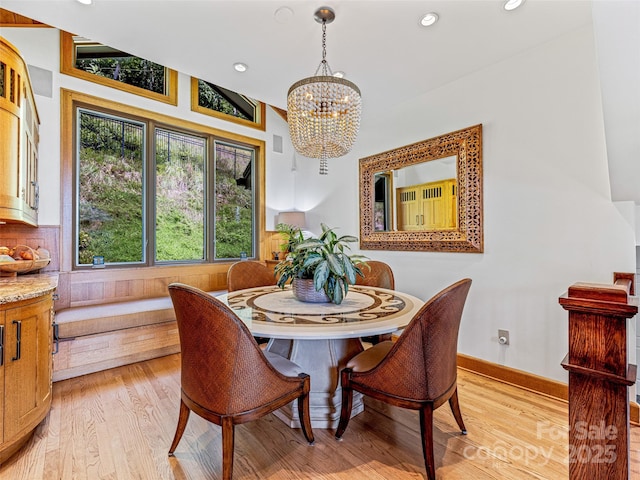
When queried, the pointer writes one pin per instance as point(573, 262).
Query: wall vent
point(277, 143)
point(41, 81)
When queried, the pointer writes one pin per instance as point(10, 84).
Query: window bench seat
point(112, 317)
point(98, 337)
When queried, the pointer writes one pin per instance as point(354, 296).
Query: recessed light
point(338, 74)
point(283, 15)
point(240, 67)
point(512, 4)
point(85, 2)
point(429, 19)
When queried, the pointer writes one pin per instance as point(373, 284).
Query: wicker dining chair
point(225, 377)
point(417, 372)
point(249, 274)
point(377, 274)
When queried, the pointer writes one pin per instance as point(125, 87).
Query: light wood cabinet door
point(434, 207)
point(409, 208)
point(25, 376)
point(26, 327)
point(2, 357)
point(429, 207)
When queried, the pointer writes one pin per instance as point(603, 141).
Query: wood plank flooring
point(118, 424)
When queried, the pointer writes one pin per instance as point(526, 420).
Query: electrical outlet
point(503, 337)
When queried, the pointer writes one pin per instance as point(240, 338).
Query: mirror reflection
point(424, 196)
point(417, 197)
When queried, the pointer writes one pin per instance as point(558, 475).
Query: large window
point(110, 189)
point(180, 199)
point(234, 203)
point(98, 63)
point(150, 192)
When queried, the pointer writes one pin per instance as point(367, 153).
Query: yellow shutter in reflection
point(428, 206)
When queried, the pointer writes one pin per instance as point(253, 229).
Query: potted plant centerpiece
point(319, 268)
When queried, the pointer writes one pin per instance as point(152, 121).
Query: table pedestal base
point(322, 360)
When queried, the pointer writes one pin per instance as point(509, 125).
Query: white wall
point(548, 217)
point(549, 220)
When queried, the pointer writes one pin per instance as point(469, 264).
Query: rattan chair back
point(249, 274)
point(377, 274)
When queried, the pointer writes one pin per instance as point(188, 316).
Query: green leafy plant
point(322, 259)
point(292, 237)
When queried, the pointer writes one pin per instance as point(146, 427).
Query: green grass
point(111, 208)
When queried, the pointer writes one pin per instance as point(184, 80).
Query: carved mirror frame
point(466, 145)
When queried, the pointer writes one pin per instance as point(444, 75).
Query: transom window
point(98, 63)
point(148, 193)
point(216, 101)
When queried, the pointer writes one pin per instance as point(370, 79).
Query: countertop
point(24, 287)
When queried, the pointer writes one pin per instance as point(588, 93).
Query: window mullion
point(210, 198)
point(150, 195)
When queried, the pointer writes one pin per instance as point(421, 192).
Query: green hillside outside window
point(110, 189)
point(179, 197)
point(168, 196)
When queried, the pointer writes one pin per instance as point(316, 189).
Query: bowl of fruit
point(22, 259)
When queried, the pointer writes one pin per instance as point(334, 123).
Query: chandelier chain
point(323, 67)
point(324, 42)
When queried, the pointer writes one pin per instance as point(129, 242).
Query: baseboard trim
point(518, 378)
point(528, 381)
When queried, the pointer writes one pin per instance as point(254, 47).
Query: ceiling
point(379, 44)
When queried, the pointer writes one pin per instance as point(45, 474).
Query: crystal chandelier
point(323, 111)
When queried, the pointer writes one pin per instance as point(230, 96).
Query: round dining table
point(321, 337)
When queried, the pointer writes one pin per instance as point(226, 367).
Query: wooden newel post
point(599, 378)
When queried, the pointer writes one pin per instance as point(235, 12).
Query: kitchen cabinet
point(19, 130)
point(428, 206)
point(25, 369)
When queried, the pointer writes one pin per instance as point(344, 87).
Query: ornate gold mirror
point(426, 196)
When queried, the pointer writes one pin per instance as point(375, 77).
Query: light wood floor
point(118, 424)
